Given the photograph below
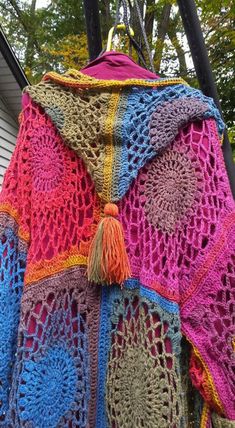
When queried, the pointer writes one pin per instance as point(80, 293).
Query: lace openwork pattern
point(58, 202)
point(75, 354)
point(12, 263)
point(116, 132)
point(140, 337)
point(48, 161)
point(170, 190)
point(207, 319)
point(54, 381)
point(169, 229)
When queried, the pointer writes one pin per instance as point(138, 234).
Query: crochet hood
point(104, 121)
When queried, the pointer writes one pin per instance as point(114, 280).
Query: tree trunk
point(162, 31)
point(28, 23)
point(172, 34)
point(29, 53)
point(149, 19)
point(106, 18)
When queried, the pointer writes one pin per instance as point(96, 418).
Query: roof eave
point(12, 61)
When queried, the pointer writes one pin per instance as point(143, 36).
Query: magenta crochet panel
point(179, 221)
point(172, 211)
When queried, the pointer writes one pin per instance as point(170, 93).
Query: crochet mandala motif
point(49, 387)
point(170, 190)
point(48, 161)
point(144, 345)
point(158, 352)
point(54, 374)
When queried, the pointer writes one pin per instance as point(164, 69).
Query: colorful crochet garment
point(157, 351)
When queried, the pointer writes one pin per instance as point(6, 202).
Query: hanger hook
point(110, 35)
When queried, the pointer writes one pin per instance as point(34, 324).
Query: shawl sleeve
point(14, 238)
point(208, 293)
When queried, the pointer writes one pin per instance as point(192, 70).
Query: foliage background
point(48, 35)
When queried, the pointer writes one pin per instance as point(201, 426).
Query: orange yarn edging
point(46, 268)
point(8, 209)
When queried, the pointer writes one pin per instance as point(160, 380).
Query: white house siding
point(9, 88)
point(8, 133)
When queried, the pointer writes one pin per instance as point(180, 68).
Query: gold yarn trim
point(211, 383)
point(109, 147)
point(75, 78)
point(205, 415)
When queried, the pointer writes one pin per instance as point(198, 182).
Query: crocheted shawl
point(158, 352)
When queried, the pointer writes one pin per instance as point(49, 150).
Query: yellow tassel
point(107, 258)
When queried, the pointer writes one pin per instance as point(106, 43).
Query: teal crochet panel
point(139, 378)
point(12, 268)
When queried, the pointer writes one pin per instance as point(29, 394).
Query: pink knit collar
point(117, 66)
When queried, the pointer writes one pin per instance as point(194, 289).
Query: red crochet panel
point(64, 208)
